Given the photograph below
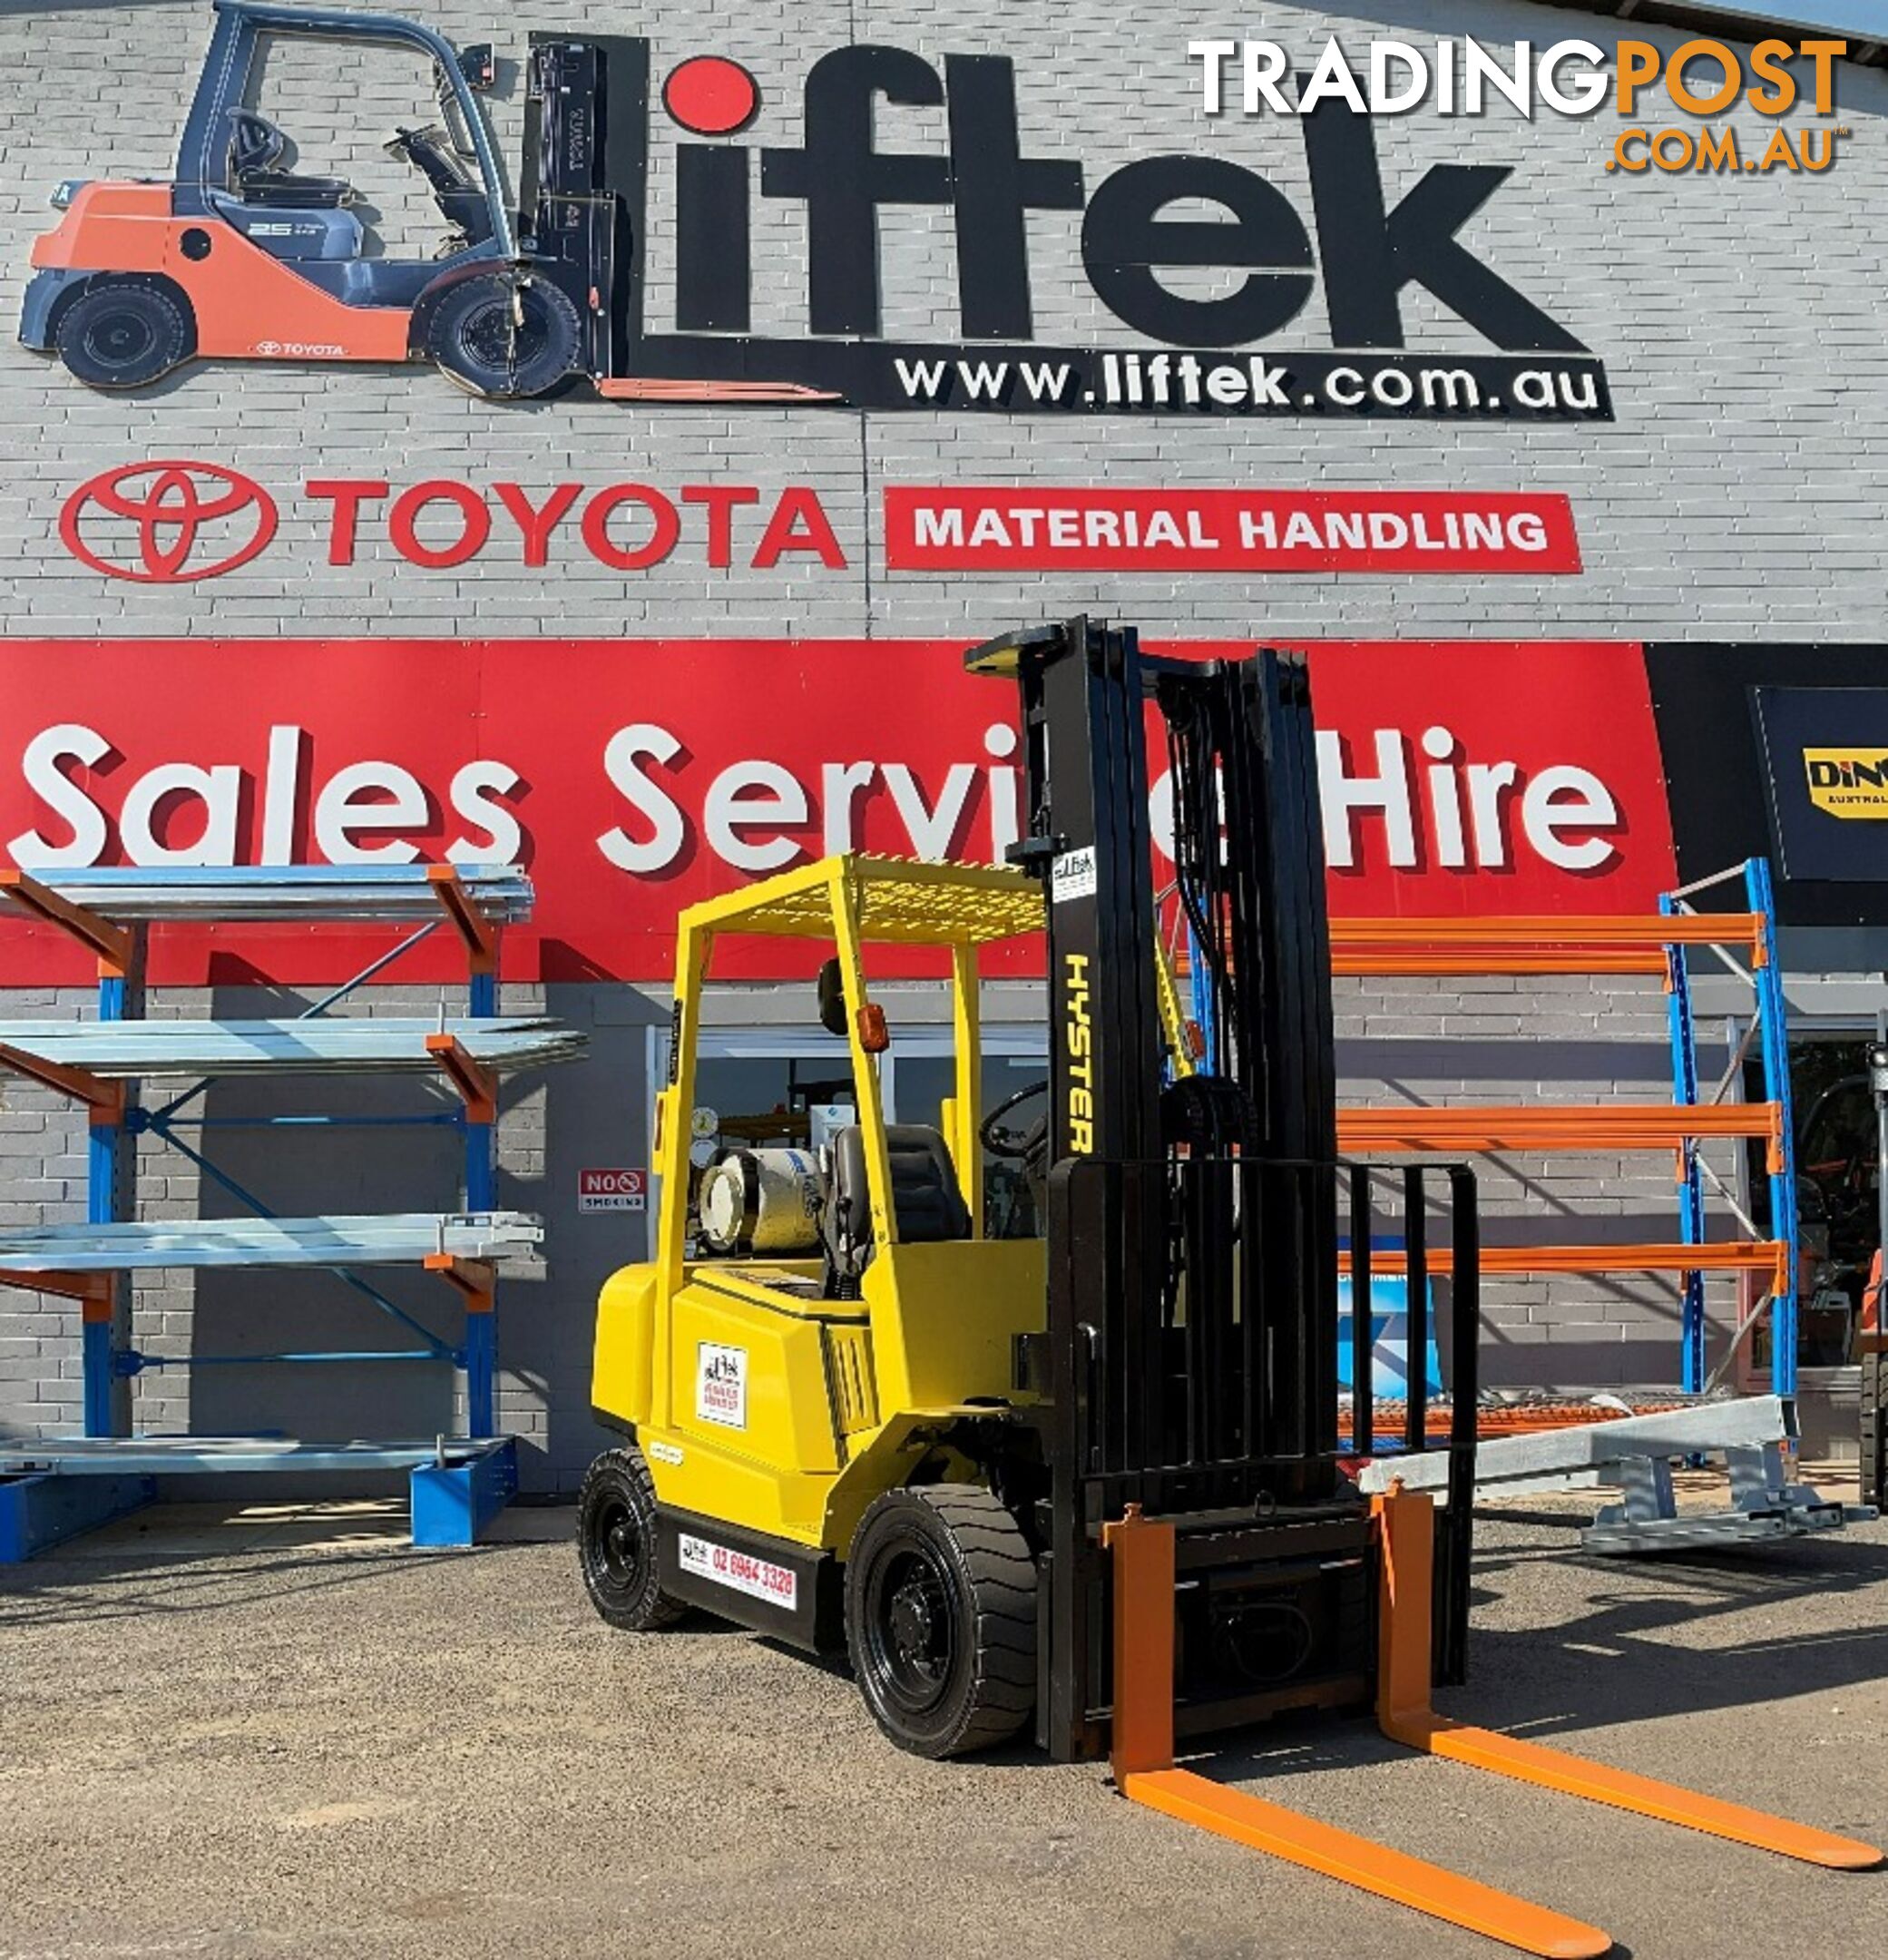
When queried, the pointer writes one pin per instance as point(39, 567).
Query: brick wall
point(1741, 493)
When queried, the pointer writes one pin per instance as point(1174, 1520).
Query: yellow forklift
point(1091, 1484)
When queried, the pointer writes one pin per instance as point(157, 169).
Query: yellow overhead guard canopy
point(898, 901)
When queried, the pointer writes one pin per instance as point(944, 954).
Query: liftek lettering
point(1160, 271)
point(1077, 1037)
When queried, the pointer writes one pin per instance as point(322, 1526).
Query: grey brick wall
point(1742, 492)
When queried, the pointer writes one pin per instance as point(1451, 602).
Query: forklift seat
point(257, 148)
point(926, 1200)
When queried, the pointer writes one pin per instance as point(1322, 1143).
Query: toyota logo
point(166, 523)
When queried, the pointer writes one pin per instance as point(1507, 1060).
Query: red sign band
point(1035, 529)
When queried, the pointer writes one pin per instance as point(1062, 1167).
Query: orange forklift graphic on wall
point(243, 257)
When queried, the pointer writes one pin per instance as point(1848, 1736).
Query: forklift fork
point(1142, 1553)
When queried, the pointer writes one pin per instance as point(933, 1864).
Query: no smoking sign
point(613, 1191)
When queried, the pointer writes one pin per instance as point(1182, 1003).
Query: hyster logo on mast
point(1146, 254)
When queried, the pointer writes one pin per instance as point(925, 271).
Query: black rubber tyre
point(478, 340)
point(941, 1619)
point(616, 1544)
point(120, 334)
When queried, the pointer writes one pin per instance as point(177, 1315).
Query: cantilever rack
point(458, 1482)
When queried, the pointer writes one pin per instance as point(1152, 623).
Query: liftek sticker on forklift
point(721, 1385)
point(1072, 875)
point(738, 1571)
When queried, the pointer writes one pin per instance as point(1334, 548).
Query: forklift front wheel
point(941, 1619)
point(616, 1544)
point(121, 333)
point(499, 336)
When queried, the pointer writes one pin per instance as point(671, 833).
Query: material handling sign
point(1044, 528)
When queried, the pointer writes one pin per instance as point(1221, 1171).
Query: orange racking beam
point(481, 936)
point(1598, 1126)
point(111, 943)
point(104, 1100)
point(474, 1080)
point(1656, 930)
point(1719, 1255)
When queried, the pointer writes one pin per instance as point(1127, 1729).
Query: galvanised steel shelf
point(372, 893)
point(462, 1483)
point(117, 1050)
point(174, 1456)
point(389, 1239)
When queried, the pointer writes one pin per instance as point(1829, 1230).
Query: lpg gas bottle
point(762, 1200)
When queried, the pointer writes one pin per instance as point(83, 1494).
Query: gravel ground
point(289, 1734)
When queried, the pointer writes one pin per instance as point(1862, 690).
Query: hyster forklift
point(1094, 1481)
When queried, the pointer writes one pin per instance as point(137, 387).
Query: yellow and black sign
point(1849, 783)
point(1079, 1055)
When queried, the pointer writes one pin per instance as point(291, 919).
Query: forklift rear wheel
point(941, 1619)
point(502, 338)
point(616, 1544)
point(119, 335)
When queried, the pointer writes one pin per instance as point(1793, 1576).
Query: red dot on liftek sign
point(711, 96)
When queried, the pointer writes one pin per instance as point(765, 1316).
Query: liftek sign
point(632, 779)
point(1199, 253)
point(1146, 252)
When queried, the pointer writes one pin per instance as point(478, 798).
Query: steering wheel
point(1015, 1144)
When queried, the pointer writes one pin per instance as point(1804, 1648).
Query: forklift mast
point(1189, 1363)
point(586, 160)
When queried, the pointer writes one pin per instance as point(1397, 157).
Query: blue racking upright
point(1768, 1030)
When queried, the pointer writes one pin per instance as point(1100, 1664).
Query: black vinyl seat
point(927, 1201)
point(257, 148)
point(284, 189)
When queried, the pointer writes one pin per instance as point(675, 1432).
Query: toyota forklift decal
point(242, 258)
point(246, 255)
